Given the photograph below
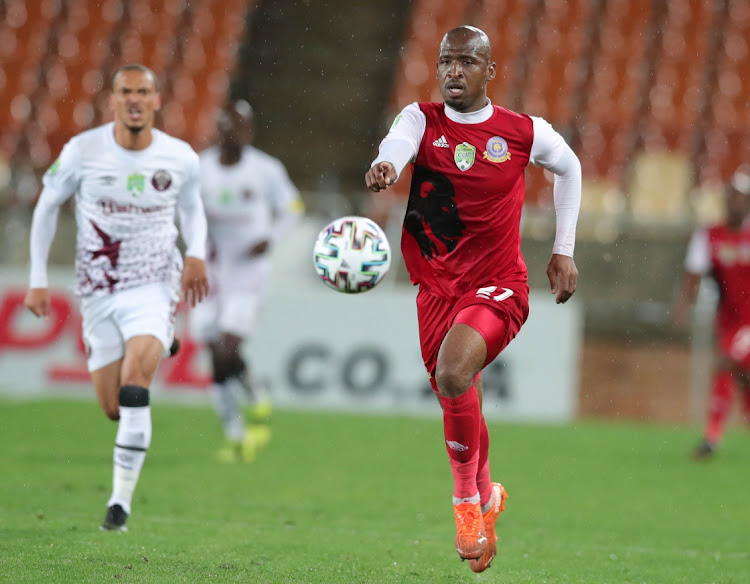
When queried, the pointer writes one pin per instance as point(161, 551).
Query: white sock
point(487, 506)
point(474, 499)
point(227, 404)
point(132, 441)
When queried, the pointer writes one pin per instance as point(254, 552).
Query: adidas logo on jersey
point(441, 142)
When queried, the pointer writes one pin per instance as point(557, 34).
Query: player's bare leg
point(137, 369)
point(232, 388)
point(106, 382)
point(460, 359)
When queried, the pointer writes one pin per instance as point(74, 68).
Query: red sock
point(461, 422)
point(746, 404)
point(719, 405)
point(484, 483)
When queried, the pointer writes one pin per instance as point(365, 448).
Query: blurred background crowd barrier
point(651, 94)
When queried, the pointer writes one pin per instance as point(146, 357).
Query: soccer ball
point(352, 254)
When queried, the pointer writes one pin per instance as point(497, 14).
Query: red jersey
point(462, 224)
point(730, 267)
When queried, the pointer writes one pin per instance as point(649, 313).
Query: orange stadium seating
point(674, 98)
point(631, 84)
point(57, 59)
point(503, 23)
point(728, 134)
point(626, 81)
point(24, 33)
point(609, 118)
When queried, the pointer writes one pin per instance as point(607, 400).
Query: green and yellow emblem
point(226, 196)
point(136, 184)
point(464, 156)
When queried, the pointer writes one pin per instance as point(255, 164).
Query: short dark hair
point(136, 67)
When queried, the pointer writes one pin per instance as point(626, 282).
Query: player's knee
point(139, 374)
point(452, 382)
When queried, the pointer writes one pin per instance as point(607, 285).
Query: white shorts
point(233, 313)
point(237, 293)
point(109, 321)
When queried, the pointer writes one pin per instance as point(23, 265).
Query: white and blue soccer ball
point(352, 254)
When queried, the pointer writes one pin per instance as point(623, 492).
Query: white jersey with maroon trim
point(125, 204)
point(248, 202)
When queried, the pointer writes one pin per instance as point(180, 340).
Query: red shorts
point(501, 309)
point(734, 342)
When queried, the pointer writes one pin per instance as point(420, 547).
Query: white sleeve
point(60, 182)
point(401, 145)
point(193, 224)
point(550, 151)
point(698, 258)
point(287, 204)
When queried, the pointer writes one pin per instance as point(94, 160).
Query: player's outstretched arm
point(380, 176)
point(194, 280)
point(563, 277)
point(37, 301)
point(685, 298)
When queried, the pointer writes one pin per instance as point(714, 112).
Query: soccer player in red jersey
point(461, 244)
point(723, 252)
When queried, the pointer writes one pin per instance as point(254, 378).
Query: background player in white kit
point(128, 179)
point(250, 203)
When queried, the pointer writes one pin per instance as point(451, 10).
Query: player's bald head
point(471, 37)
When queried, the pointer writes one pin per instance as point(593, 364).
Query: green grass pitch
point(366, 499)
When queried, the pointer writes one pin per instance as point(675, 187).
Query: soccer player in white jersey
point(129, 181)
point(250, 203)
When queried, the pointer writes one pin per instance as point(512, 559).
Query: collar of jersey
point(131, 153)
point(476, 117)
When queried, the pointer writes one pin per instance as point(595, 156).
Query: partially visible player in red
point(723, 253)
point(461, 244)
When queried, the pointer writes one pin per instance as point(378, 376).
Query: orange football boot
point(490, 518)
point(471, 539)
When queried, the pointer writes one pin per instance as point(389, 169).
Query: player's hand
point(258, 249)
point(380, 176)
point(563, 277)
point(194, 280)
point(37, 301)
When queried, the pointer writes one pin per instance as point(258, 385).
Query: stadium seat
point(559, 60)
point(728, 133)
point(608, 121)
point(677, 85)
point(503, 23)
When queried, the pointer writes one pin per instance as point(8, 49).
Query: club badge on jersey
point(161, 180)
point(464, 156)
point(497, 150)
point(136, 184)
